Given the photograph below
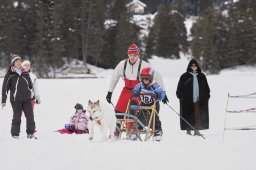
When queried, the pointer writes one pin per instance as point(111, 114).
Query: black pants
point(144, 117)
point(19, 107)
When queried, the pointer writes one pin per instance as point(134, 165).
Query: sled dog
point(103, 117)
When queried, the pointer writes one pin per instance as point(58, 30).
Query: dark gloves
point(108, 97)
point(3, 104)
point(165, 100)
point(37, 100)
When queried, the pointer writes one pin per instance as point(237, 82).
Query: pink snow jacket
point(79, 121)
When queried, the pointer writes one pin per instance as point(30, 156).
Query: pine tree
point(107, 55)
point(169, 33)
point(252, 27)
point(150, 48)
point(42, 60)
point(198, 7)
point(119, 37)
point(5, 32)
point(70, 29)
point(238, 36)
point(166, 32)
point(30, 30)
point(17, 30)
point(221, 42)
point(247, 27)
point(205, 41)
point(56, 59)
point(151, 5)
point(97, 29)
point(126, 35)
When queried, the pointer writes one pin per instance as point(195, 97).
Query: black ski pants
point(19, 107)
point(144, 117)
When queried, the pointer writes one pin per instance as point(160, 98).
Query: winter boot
point(189, 132)
point(117, 134)
point(158, 136)
point(197, 133)
point(134, 136)
point(31, 136)
point(16, 136)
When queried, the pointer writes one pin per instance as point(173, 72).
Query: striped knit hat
point(134, 49)
point(15, 57)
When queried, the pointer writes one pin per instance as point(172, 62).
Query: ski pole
point(184, 119)
point(113, 105)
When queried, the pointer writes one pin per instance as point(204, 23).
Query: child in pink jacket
point(79, 121)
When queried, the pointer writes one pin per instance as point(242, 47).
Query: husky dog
point(103, 117)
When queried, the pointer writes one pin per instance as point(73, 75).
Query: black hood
point(193, 61)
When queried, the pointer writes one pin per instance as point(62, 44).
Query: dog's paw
point(90, 138)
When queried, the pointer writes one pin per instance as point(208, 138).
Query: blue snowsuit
point(154, 91)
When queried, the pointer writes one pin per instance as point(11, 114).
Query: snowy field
point(177, 151)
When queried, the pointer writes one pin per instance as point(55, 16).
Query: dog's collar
point(98, 122)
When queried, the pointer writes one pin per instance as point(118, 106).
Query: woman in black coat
point(194, 93)
point(18, 82)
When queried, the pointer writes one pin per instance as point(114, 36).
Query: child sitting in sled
point(146, 93)
point(79, 121)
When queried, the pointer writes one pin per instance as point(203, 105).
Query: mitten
point(165, 100)
point(3, 104)
point(38, 100)
point(154, 94)
point(108, 97)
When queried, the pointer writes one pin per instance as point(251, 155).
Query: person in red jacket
point(129, 70)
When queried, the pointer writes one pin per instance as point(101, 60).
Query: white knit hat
point(25, 62)
point(15, 57)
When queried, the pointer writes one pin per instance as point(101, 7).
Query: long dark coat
point(185, 94)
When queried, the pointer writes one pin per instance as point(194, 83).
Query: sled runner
point(138, 120)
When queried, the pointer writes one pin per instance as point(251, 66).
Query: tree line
point(225, 38)
point(51, 33)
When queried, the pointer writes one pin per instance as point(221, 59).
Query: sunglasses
point(145, 78)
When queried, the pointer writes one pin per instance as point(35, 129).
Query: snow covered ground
point(177, 151)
